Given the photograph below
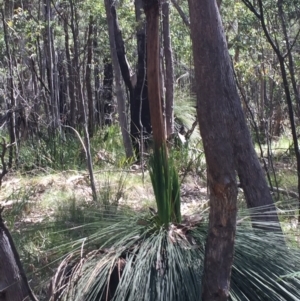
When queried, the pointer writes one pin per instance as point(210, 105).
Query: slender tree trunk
point(51, 65)
point(75, 62)
point(184, 18)
point(88, 78)
point(11, 105)
point(99, 117)
point(253, 194)
point(107, 94)
point(139, 104)
point(291, 64)
point(63, 89)
point(140, 125)
point(72, 101)
point(120, 95)
point(169, 75)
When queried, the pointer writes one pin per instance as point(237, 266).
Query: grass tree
point(163, 174)
point(160, 255)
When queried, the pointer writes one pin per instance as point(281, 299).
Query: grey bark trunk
point(214, 115)
point(11, 284)
point(13, 281)
point(88, 77)
point(228, 148)
point(120, 95)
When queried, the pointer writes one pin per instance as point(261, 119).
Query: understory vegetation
point(54, 223)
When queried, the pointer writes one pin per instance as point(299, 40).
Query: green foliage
point(157, 264)
point(18, 203)
point(111, 191)
point(166, 187)
point(139, 261)
point(54, 151)
point(107, 147)
point(64, 151)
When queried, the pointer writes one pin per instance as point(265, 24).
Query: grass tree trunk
point(151, 8)
point(169, 77)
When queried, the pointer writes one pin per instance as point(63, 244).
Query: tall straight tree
point(228, 149)
point(169, 78)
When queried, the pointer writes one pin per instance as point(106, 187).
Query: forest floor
point(39, 207)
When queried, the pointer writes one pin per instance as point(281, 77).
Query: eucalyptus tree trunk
point(119, 92)
point(169, 74)
point(88, 78)
point(139, 104)
point(71, 84)
point(228, 149)
point(213, 72)
point(11, 103)
point(51, 65)
point(151, 8)
point(97, 53)
point(106, 107)
point(289, 45)
point(140, 124)
point(260, 14)
point(75, 62)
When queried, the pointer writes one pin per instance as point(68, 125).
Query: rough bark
point(228, 148)
point(215, 88)
point(13, 282)
point(151, 8)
